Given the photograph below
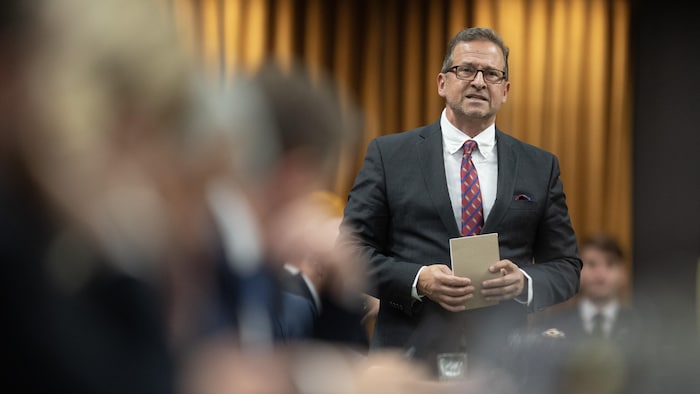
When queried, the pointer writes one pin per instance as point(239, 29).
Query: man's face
point(602, 275)
point(475, 99)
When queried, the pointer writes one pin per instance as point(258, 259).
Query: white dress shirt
point(242, 244)
point(588, 310)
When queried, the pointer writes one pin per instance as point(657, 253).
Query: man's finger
point(455, 281)
point(456, 291)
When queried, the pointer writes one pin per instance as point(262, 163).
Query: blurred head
point(109, 83)
point(603, 273)
point(309, 126)
point(278, 132)
point(108, 86)
point(275, 137)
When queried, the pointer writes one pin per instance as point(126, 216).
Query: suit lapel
point(507, 171)
point(433, 167)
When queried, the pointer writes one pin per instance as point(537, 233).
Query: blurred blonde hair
point(109, 83)
point(97, 65)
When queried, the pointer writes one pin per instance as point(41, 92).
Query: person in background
point(599, 311)
point(595, 343)
point(461, 176)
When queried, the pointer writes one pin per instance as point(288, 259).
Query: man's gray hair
point(474, 34)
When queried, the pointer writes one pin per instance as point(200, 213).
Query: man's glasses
point(468, 73)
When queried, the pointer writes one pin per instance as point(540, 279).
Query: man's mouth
point(476, 97)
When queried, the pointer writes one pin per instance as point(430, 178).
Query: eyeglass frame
point(454, 70)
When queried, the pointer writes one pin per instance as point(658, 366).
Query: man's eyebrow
point(480, 66)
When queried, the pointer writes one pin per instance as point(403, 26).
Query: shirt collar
point(453, 139)
point(588, 309)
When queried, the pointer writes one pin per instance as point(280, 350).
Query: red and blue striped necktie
point(472, 210)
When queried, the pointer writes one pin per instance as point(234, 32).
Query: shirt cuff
point(526, 300)
point(414, 288)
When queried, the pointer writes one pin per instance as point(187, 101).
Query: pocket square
point(523, 197)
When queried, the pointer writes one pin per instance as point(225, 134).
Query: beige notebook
point(471, 257)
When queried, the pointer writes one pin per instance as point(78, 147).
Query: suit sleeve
point(557, 267)
point(366, 225)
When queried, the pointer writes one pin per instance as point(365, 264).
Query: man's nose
point(479, 79)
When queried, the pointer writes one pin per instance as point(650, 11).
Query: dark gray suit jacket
point(400, 216)
point(626, 329)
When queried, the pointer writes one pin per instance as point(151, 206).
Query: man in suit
point(406, 204)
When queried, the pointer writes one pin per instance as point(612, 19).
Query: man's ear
point(506, 89)
point(441, 82)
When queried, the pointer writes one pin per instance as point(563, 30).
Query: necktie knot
point(469, 147)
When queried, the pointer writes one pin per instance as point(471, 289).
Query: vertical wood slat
point(255, 34)
point(344, 71)
point(537, 73)
point(457, 16)
point(596, 68)
point(313, 43)
point(410, 68)
point(184, 15)
point(211, 49)
point(284, 29)
point(511, 17)
point(391, 121)
point(232, 37)
point(483, 14)
point(618, 209)
point(436, 44)
point(572, 112)
point(343, 68)
point(558, 73)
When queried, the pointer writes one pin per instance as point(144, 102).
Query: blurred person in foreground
point(461, 176)
point(107, 265)
point(111, 269)
point(81, 231)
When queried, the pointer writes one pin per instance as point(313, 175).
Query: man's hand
point(510, 285)
point(439, 284)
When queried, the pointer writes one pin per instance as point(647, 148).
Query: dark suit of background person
point(602, 340)
point(333, 321)
point(602, 280)
point(337, 319)
point(400, 212)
